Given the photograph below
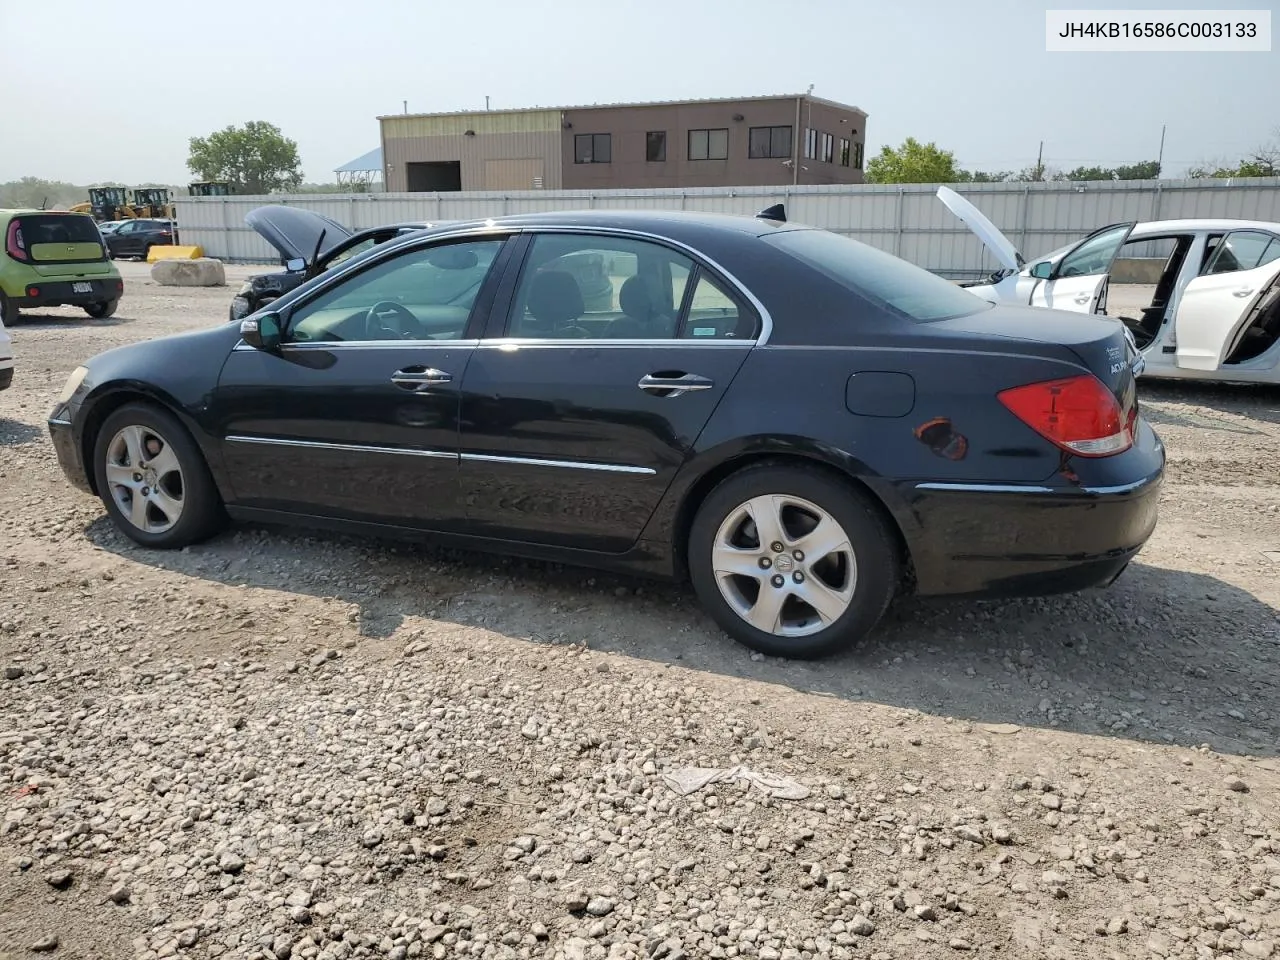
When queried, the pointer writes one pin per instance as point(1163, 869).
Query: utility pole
point(486, 101)
point(406, 106)
point(1160, 158)
point(1040, 162)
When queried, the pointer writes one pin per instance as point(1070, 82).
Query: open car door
point(1078, 282)
point(1215, 311)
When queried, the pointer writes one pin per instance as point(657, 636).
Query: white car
point(1209, 304)
point(6, 357)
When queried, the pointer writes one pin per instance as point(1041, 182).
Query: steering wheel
point(388, 320)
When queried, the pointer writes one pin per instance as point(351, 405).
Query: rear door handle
point(1083, 299)
point(1242, 292)
point(673, 385)
point(419, 378)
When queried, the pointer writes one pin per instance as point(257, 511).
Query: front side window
point(584, 286)
point(423, 294)
point(1244, 250)
point(709, 144)
point(880, 277)
point(1094, 256)
point(593, 148)
point(766, 142)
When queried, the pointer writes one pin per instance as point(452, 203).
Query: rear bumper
point(1004, 540)
point(53, 293)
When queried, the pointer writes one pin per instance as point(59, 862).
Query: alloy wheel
point(145, 477)
point(784, 565)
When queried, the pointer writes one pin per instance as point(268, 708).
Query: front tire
point(153, 479)
point(100, 311)
point(792, 561)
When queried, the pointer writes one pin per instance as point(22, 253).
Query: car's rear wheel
point(146, 252)
point(100, 311)
point(792, 561)
point(8, 314)
point(153, 478)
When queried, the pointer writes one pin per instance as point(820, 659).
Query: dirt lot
point(282, 745)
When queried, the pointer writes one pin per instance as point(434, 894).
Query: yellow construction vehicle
point(209, 188)
point(152, 202)
point(107, 203)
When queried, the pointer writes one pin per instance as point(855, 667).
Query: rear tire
point(8, 312)
point(100, 311)
point(153, 479)
point(761, 596)
point(146, 252)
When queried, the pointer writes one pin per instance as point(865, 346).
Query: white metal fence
point(906, 219)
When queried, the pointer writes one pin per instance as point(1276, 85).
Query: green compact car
point(52, 258)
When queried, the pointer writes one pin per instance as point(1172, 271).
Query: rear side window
point(880, 277)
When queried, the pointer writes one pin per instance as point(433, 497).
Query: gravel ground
point(278, 745)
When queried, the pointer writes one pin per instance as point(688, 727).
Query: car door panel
point(329, 430)
point(351, 420)
point(562, 445)
point(1213, 311)
point(1079, 280)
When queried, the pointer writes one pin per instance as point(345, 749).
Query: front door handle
point(1242, 292)
point(673, 385)
point(1083, 299)
point(420, 378)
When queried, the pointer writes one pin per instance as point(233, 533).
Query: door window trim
point(495, 333)
point(1226, 235)
point(1057, 267)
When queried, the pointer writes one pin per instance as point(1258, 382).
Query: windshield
point(880, 277)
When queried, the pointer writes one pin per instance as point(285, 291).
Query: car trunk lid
point(58, 244)
point(1103, 345)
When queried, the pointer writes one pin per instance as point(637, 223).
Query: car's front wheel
point(100, 311)
point(792, 561)
point(153, 478)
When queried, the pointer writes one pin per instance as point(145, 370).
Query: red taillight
point(1079, 414)
point(13, 243)
point(33, 291)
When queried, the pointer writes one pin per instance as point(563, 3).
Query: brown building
point(690, 143)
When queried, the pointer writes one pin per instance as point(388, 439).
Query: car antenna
point(777, 213)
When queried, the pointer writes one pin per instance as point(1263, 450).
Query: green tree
point(1144, 170)
point(34, 192)
point(255, 159)
point(913, 162)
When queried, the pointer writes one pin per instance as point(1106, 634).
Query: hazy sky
point(92, 92)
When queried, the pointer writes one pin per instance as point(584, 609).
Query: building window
point(769, 142)
point(828, 148)
point(857, 155)
point(810, 143)
point(709, 144)
point(592, 148)
point(655, 146)
point(844, 152)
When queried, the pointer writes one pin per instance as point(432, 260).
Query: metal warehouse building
point(756, 141)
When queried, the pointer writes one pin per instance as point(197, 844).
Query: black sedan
point(802, 425)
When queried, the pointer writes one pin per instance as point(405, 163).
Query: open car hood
point(986, 231)
point(294, 231)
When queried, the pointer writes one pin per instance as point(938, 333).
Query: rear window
point(58, 228)
point(880, 277)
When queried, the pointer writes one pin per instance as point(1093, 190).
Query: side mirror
point(1042, 270)
point(262, 331)
point(296, 265)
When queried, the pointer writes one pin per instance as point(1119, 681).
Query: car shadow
point(14, 433)
point(1163, 656)
point(38, 320)
point(1254, 401)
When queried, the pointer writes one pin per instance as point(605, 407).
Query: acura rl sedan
point(801, 425)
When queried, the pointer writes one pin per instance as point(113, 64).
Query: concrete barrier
point(205, 272)
point(171, 251)
point(1137, 269)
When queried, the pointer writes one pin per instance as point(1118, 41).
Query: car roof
point(672, 223)
point(1146, 227)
